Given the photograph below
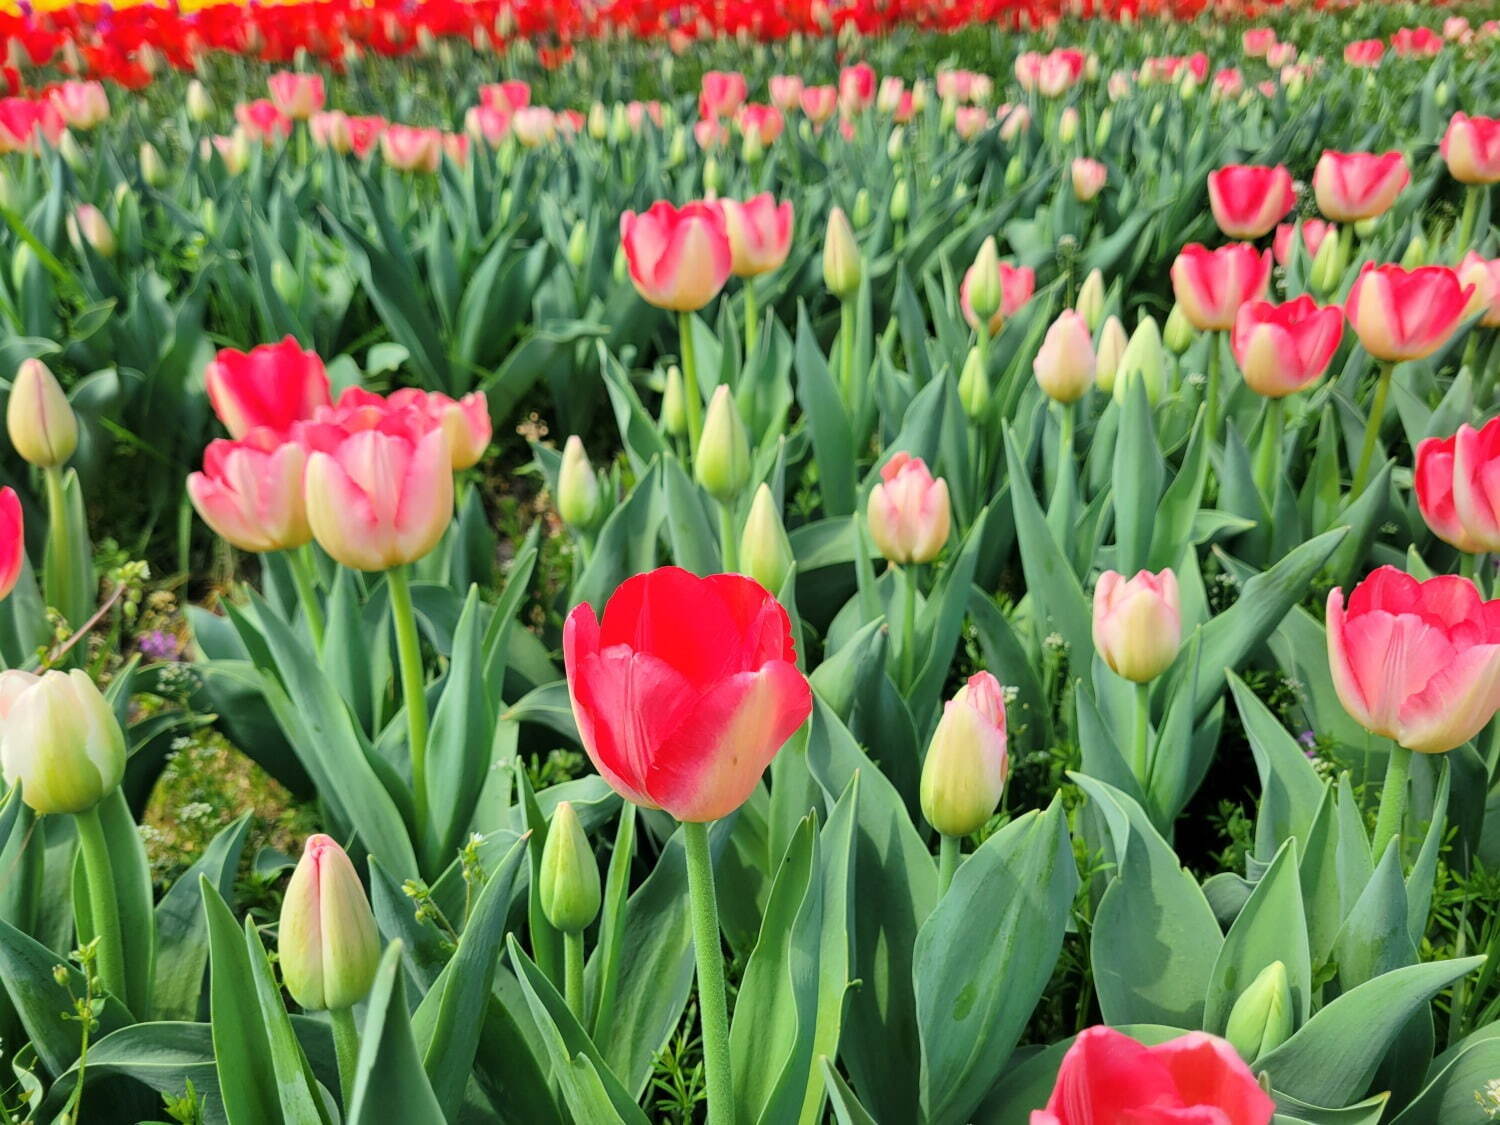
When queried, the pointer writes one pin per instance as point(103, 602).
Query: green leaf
point(1450, 1095)
point(301, 1100)
point(182, 926)
point(833, 439)
point(1374, 939)
point(242, 1046)
point(1291, 790)
point(163, 1056)
point(389, 1082)
point(1139, 473)
point(458, 750)
point(846, 1107)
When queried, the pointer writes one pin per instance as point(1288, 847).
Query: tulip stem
point(1066, 412)
point(304, 577)
point(728, 553)
point(1470, 217)
point(413, 690)
point(846, 350)
point(692, 396)
point(573, 971)
point(750, 318)
point(1392, 812)
point(1372, 431)
point(908, 626)
point(712, 1007)
point(1268, 456)
point(1140, 757)
point(104, 911)
point(948, 854)
point(345, 1050)
point(1211, 394)
point(58, 564)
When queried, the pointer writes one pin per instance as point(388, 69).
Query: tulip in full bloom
point(1107, 1078)
point(327, 942)
point(251, 494)
point(1439, 477)
point(1364, 52)
point(1211, 285)
point(1064, 365)
point(760, 233)
point(1248, 200)
point(679, 257)
point(963, 775)
point(1137, 623)
point(1416, 43)
point(39, 418)
point(1314, 231)
point(685, 689)
point(409, 148)
point(722, 93)
point(377, 500)
point(272, 385)
point(1285, 348)
point(1417, 662)
point(1016, 285)
point(465, 421)
point(1406, 314)
point(12, 540)
point(1471, 146)
point(511, 95)
point(1484, 275)
point(298, 96)
point(1351, 186)
point(908, 512)
point(81, 105)
point(1089, 177)
point(59, 739)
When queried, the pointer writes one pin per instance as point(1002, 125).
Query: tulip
point(60, 740)
point(1090, 300)
point(722, 93)
point(982, 288)
point(1436, 481)
point(1471, 147)
point(407, 148)
point(842, 266)
point(1107, 1078)
point(679, 258)
point(762, 122)
point(465, 421)
point(969, 121)
point(39, 418)
point(1143, 357)
point(819, 103)
point(81, 105)
point(1484, 277)
point(1352, 186)
point(1256, 41)
point(1177, 334)
point(1476, 483)
point(1285, 348)
point(1263, 1017)
point(1248, 200)
point(1067, 125)
point(1089, 177)
point(786, 91)
point(12, 541)
point(765, 552)
point(856, 88)
point(1109, 354)
point(534, 126)
point(1329, 262)
point(674, 411)
point(1137, 623)
point(760, 234)
point(908, 512)
point(568, 879)
point(579, 501)
point(298, 96)
point(974, 385)
point(262, 121)
point(1064, 365)
point(87, 225)
point(200, 104)
point(1364, 52)
point(900, 198)
point(1314, 233)
point(272, 386)
point(721, 462)
point(1016, 285)
point(1211, 285)
point(327, 943)
point(963, 775)
point(1400, 315)
point(251, 493)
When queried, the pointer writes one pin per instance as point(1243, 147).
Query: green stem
point(306, 580)
point(750, 318)
point(1470, 216)
point(948, 854)
point(846, 351)
point(1372, 431)
point(346, 1051)
point(1471, 350)
point(59, 559)
point(983, 341)
point(413, 688)
point(573, 971)
point(1211, 396)
point(712, 1006)
point(693, 398)
point(104, 910)
point(908, 626)
point(1140, 752)
point(728, 542)
point(1392, 812)
point(1268, 456)
point(1068, 411)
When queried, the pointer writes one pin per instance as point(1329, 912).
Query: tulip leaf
point(301, 1098)
point(458, 757)
point(182, 927)
point(389, 1082)
point(1449, 1095)
point(846, 1107)
point(1291, 790)
point(1139, 473)
point(833, 439)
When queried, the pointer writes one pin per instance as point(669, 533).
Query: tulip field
point(916, 563)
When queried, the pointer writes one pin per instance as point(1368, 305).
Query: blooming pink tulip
point(81, 105)
point(262, 121)
point(685, 690)
point(465, 421)
point(679, 258)
point(411, 148)
point(709, 133)
point(1138, 623)
point(762, 121)
point(1471, 146)
point(722, 93)
point(760, 233)
point(23, 123)
point(786, 92)
point(637, 113)
point(273, 385)
point(487, 124)
point(1089, 178)
point(1257, 41)
point(1281, 55)
point(1433, 480)
point(330, 130)
point(1417, 43)
point(1406, 314)
point(251, 492)
point(1364, 52)
point(1351, 186)
point(511, 95)
point(1285, 348)
point(1417, 662)
point(1017, 283)
point(1484, 275)
point(1457, 29)
point(857, 88)
point(819, 103)
point(969, 121)
point(909, 513)
point(1211, 285)
point(365, 134)
point(12, 540)
point(1248, 200)
point(534, 126)
point(1476, 483)
point(1107, 1078)
point(298, 96)
point(1228, 82)
point(1314, 231)
point(892, 89)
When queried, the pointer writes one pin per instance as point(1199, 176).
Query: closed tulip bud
point(765, 551)
point(1295, 85)
point(974, 385)
point(200, 105)
point(1144, 358)
point(721, 463)
point(40, 419)
point(1416, 251)
point(947, 114)
point(70, 151)
point(1109, 352)
point(153, 171)
point(985, 293)
point(59, 739)
point(712, 180)
point(568, 880)
point(674, 403)
point(1366, 227)
point(963, 776)
point(677, 153)
point(752, 148)
point(896, 144)
point(327, 942)
point(1090, 301)
point(598, 122)
point(578, 497)
point(863, 210)
point(900, 201)
point(620, 268)
point(1064, 365)
point(842, 267)
point(1137, 623)
point(1015, 171)
point(1261, 1019)
point(909, 512)
point(578, 244)
point(1178, 335)
point(88, 225)
point(1067, 125)
point(1101, 130)
point(619, 123)
point(1442, 93)
point(1328, 266)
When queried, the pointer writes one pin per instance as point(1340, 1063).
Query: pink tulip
point(81, 105)
point(1417, 42)
point(456, 147)
point(1064, 364)
point(298, 96)
point(1285, 348)
point(1229, 82)
point(24, 122)
point(857, 88)
point(679, 258)
point(1433, 482)
point(273, 385)
point(1107, 1078)
point(262, 120)
point(506, 96)
point(411, 148)
point(1405, 314)
point(1471, 146)
point(1257, 41)
point(330, 130)
point(819, 103)
point(1364, 52)
point(1137, 623)
point(1314, 231)
point(1211, 285)
point(1351, 186)
point(1014, 120)
point(892, 89)
point(969, 121)
point(464, 421)
point(1281, 55)
point(378, 500)
point(1484, 276)
point(365, 134)
point(1248, 200)
point(251, 492)
point(1457, 482)
point(786, 92)
point(12, 540)
point(709, 133)
point(1417, 662)
point(534, 126)
point(1457, 29)
point(1089, 177)
point(1060, 71)
point(761, 121)
point(487, 124)
point(1017, 283)
point(760, 233)
point(722, 93)
point(908, 513)
point(637, 113)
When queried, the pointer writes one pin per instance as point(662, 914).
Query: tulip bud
point(752, 148)
point(153, 171)
point(1101, 130)
point(578, 498)
point(674, 403)
point(618, 128)
point(598, 121)
point(620, 267)
point(568, 881)
point(1179, 331)
point(863, 210)
point(1416, 251)
point(1109, 353)
point(88, 225)
point(1090, 301)
point(1144, 358)
point(578, 244)
point(1261, 1019)
point(1064, 365)
point(285, 282)
point(72, 155)
point(900, 202)
point(947, 114)
point(985, 292)
point(1328, 265)
point(974, 385)
point(1015, 171)
point(1366, 227)
point(677, 153)
point(711, 177)
point(42, 426)
point(200, 105)
point(896, 145)
point(327, 942)
point(1067, 125)
point(765, 551)
point(722, 461)
point(964, 773)
point(59, 739)
point(1137, 622)
point(842, 267)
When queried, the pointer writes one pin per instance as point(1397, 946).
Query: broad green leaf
point(182, 926)
point(389, 1083)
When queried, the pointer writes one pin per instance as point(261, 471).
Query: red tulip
point(12, 540)
point(722, 93)
point(1314, 231)
point(298, 96)
point(857, 88)
point(1284, 348)
point(1458, 487)
point(1484, 275)
point(1351, 186)
point(1471, 146)
point(760, 233)
point(250, 492)
point(685, 690)
point(364, 134)
point(679, 258)
point(1364, 52)
point(1417, 42)
point(262, 121)
point(1405, 314)
point(1257, 41)
point(273, 385)
point(1432, 477)
point(1417, 662)
point(1107, 1078)
point(1211, 285)
point(1249, 199)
